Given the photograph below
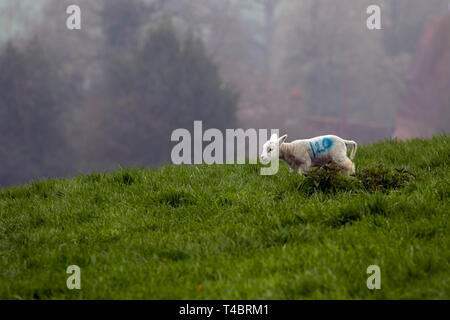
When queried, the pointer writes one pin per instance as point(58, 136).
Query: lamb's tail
point(353, 145)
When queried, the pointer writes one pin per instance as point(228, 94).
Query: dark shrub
point(329, 179)
point(379, 177)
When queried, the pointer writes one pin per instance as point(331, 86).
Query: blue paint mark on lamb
point(327, 143)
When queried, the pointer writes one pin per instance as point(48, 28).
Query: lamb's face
point(270, 151)
point(271, 148)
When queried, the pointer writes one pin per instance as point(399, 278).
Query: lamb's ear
point(274, 137)
point(281, 140)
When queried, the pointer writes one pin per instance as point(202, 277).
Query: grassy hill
point(226, 232)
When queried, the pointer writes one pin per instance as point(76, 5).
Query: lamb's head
point(271, 148)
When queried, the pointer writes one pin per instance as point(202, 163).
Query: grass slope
point(226, 232)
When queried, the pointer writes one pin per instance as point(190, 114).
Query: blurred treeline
point(107, 96)
point(112, 93)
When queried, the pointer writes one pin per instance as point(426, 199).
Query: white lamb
point(300, 155)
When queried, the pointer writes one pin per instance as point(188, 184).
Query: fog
point(110, 93)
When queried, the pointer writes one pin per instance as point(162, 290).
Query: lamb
point(300, 155)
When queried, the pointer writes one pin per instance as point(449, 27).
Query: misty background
point(110, 94)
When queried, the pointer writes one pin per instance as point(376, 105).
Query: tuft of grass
point(380, 177)
point(174, 198)
point(377, 177)
point(226, 232)
point(327, 179)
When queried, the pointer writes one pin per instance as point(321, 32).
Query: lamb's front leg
point(294, 167)
point(304, 166)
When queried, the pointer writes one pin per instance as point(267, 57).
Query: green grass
point(226, 232)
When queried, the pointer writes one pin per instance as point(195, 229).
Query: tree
point(405, 21)
point(339, 65)
point(34, 94)
point(425, 108)
point(164, 84)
